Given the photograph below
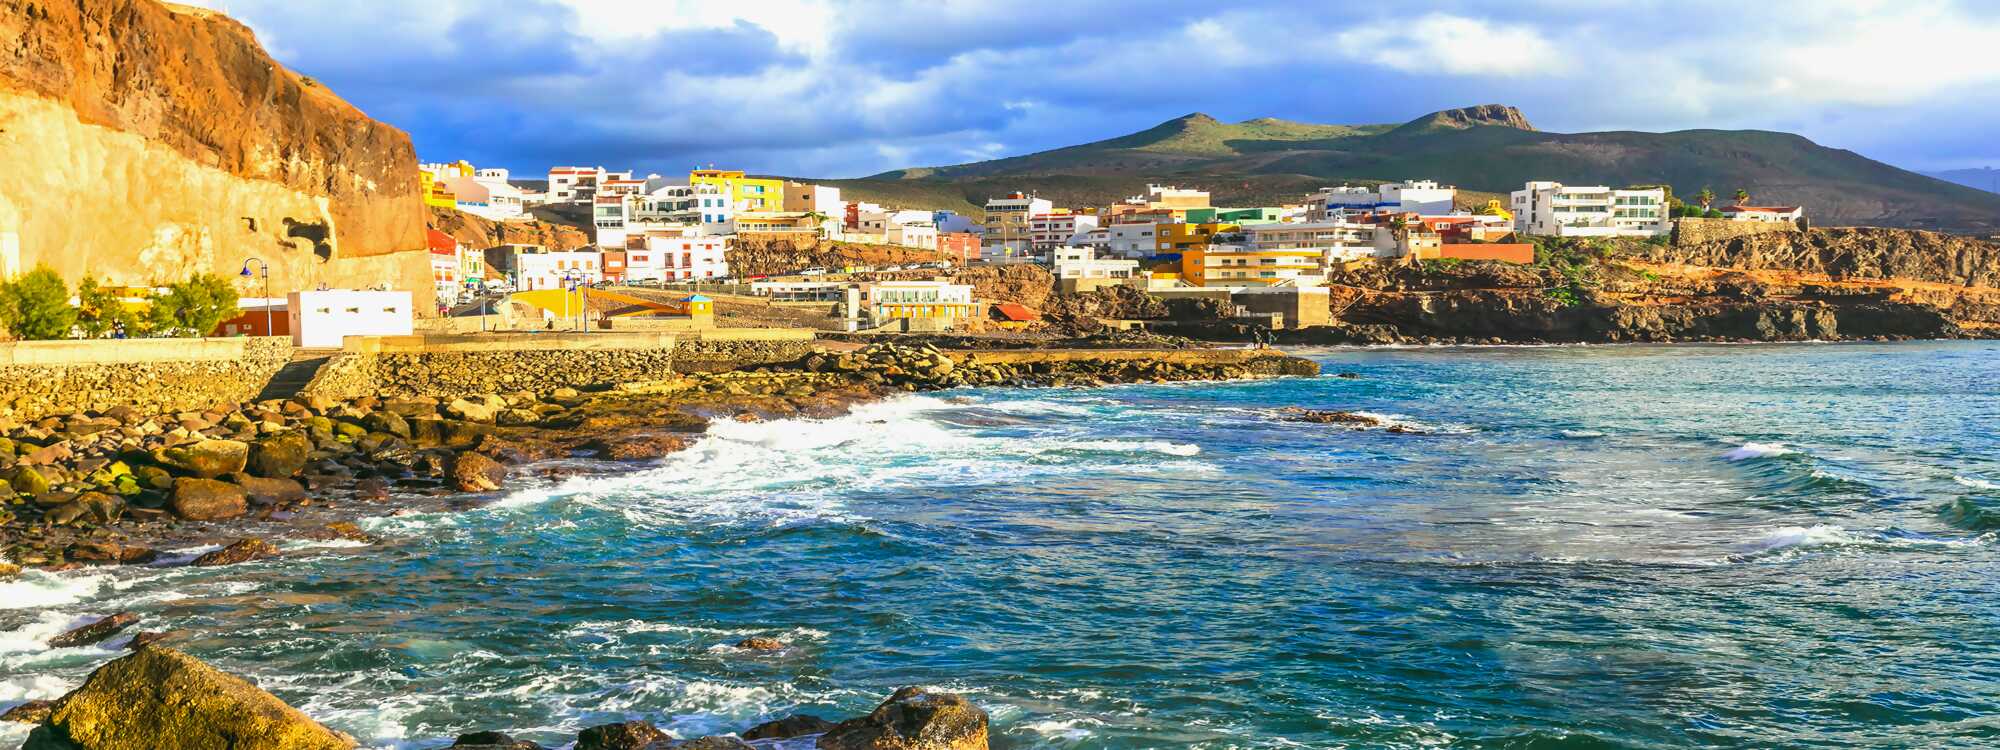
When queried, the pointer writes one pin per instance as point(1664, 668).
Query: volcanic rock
point(626, 735)
point(491, 741)
point(207, 500)
point(207, 459)
point(280, 456)
point(474, 472)
point(913, 719)
point(796, 725)
point(160, 699)
point(242, 550)
point(94, 632)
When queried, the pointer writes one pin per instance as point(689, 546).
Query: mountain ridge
point(1489, 149)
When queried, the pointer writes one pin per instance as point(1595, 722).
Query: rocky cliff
point(479, 233)
point(1848, 253)
point(144, 140)
point(753, 256)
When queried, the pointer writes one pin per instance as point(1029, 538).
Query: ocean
point(1569, 547)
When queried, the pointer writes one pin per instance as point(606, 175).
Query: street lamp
point(266, 268)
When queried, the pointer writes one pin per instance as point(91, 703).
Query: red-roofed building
point(1013, 316)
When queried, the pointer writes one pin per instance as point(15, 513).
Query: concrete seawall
point(458, 365)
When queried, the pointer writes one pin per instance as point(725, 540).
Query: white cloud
point(1456, 45)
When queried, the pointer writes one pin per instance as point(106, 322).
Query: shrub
point(36, 306)
point(194, 307)
point(99, 311)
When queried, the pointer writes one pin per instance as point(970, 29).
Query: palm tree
point(1706, 197)
point(1742, 196)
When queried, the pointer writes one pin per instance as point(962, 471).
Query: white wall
point(323, 319)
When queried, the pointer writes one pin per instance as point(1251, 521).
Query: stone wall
point(49, 378)
point(499, 363)
point(1698, 231)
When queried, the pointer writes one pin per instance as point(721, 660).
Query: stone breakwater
point(162, 699)
point(115, 485)
point(495, 363)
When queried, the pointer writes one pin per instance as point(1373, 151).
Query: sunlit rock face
point(144, 141)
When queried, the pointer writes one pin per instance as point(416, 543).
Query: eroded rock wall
point(144, 141)
point(152, 375)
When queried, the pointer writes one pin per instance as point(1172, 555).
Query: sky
point(847, 88)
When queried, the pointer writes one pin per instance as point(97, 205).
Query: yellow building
point(435, 193)
point(745, 193)
point(1182, 237)
point(1235, 265)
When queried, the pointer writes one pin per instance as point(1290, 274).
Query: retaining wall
point(1699, 231)
point(49, 378)
point(460, 365)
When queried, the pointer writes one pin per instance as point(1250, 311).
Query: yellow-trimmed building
point(745, 193)
point(435, 193)
point(1235, 265)
point(1172, 237)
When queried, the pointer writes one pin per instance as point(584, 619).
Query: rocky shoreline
point(121, 487)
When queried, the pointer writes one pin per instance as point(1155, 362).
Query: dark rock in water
point(473, 472)
point(345, 530)
point(243, 550)
point(712, 742)
point(32, 712)
point(372, 489)
point(1315, 416)
point(160, 699)
point(94, 632)
point(912, 719)
point(760, 643)
point(207, 500)
point(625, 735)
point(797, 725)
point(637, 447)
point(491, 741)
point(280, 456)
point(1348, 375)
point(387, 422)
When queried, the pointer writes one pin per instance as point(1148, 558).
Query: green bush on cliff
point(36, 306)
point(194, 307)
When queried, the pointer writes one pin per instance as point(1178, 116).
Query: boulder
point(491, 741)
point(797, 725)
point(157, 698)
point(624, 735)
point(912, 719)
point(28, 481)
point(474, 411)
point(388, 422)
point(206, 459)
point(206, 500)
point(242, 550)
point(146, 638)
point(267, 491)
point(94, 632)
point(473, 472)
point(711, 742)
point(639, 447)
point(94, 507)
point(8, 570)
point(280, 456)
point(411, 407)
point(32, 712)
point(153, 477)
point(759, 643)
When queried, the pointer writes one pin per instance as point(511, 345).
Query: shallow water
point(1592, 547)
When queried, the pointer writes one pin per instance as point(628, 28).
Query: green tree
point(1742, 197)
point(36, 306)
point(1706, 197)
point(98, 311)
point(194, 307)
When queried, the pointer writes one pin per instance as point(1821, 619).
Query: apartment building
point(1184, 236)
point(1058, 228)
point(1083, 263)
point(1335, 242)
point(818, 199)
point(664, 257)
point(744, 193)
point(1554, 209)
point(557, 270)
point(1132, 239)
point(1241, 266)
point(1009, 235)
point(958, 247)
point(1425, 197)
point(1769, 214)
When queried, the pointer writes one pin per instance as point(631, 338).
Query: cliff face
point(143, 141)
point(754, 256)
point(1857, 252)
point(479, 233)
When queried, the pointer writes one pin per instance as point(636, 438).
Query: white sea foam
point(1406, 422)
point(1975, 482)
point(1127, 446)
point(1817, 535)
point(1582, 434)
point(295, 545)
point(35, 588)
point(1748, 451)
point(1072, 729)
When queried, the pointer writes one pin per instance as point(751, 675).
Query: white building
point(664, 257)
point(952, 221)
point(1050, 231)
point(922, 235)
point(1770, 214)
point(1008, 237)
point(1554, 209)
point(1424, 197)
point(1131, 240)
point(1335, 241)
point(557, 270)
point(574, 184)
point(1083, 263)
point(1168, 196)
point(324, 319)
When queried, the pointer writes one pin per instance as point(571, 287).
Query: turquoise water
point(1591, 547)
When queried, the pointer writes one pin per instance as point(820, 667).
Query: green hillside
point(1490, 149)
